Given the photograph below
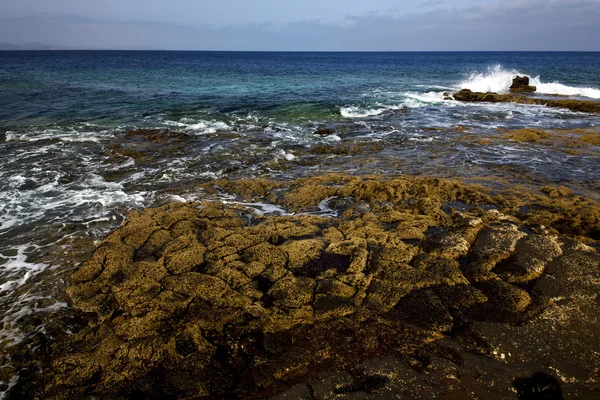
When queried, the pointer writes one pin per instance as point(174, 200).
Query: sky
point(320, 25)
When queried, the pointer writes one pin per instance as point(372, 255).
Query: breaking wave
point(497, 79)
point(409, 100)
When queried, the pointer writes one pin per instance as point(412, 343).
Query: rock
point(298, 392)
point(526, 135)
point(559, 191)
point(292, 292)
point(400, 294)
point(531, 255)
point(303, 253)
point(519, 81)
point(324, 131)
point(467, 95)
point(521, 84)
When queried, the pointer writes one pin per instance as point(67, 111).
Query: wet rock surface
point(588, 106)
point(367, 288)
point(521, 84)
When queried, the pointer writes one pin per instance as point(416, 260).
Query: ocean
point(87, 136)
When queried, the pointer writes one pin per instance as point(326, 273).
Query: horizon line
point(301, 51)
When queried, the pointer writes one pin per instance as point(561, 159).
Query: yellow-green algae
point(201, 300)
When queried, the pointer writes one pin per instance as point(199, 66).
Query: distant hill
point(29, 46)
point(41, 46)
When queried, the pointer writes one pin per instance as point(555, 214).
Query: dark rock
point(524, 89)
point(277, 343)
point(298, 392)
point(540, 386)
point(521, 84)
point(519, 81)
point(324, 131)
point(574, 105)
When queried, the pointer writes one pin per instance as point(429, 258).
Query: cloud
point(506, 25)
point(431, 3)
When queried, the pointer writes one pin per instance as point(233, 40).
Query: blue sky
point(304, 25)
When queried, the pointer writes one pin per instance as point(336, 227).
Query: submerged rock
point(396, 294)
point(324, 131)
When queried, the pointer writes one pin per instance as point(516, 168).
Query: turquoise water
point(64, 117)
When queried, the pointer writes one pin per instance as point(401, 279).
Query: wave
point(559, 88)
point(410, 100)
point(57, 134)
point(358, 112)
point(497, 79)
point(199, 126)
point(414, 99)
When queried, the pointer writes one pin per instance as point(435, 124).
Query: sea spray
point(498, 80)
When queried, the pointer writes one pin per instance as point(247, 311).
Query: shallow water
point(88, 136)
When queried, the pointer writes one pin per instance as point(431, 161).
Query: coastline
point(246, 233)
point(365, 286)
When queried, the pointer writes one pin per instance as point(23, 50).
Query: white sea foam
point(210, 174)
point(359, 112)
point(414, 99)
point(333, 138)
point(17, 264)
point(325, 210)
point(282, 154)
point(177, 198)
point(397, 101)
point(16, 181)
point(199, 126)
point(259, 208)
point(57, 134)
point(559, 88)
point(435, 87)
point(421, 139)
point(497, 79)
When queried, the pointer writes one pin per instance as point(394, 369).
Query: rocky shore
point(588, 106)
point(357, 288)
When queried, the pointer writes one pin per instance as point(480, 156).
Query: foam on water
point(497, 79)
point(27, 205)
point(16, 270)
point(199, 126)
point(282, 154)
point(559, 88)
point(262, 209)
point(57, 134)
point(358, 112)
point(325, 210)
point(414, 99)
point(258, 208)
point(395, 102)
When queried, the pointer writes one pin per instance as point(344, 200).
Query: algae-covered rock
point(526, 135)
point(398, 290)
point(467, 95)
